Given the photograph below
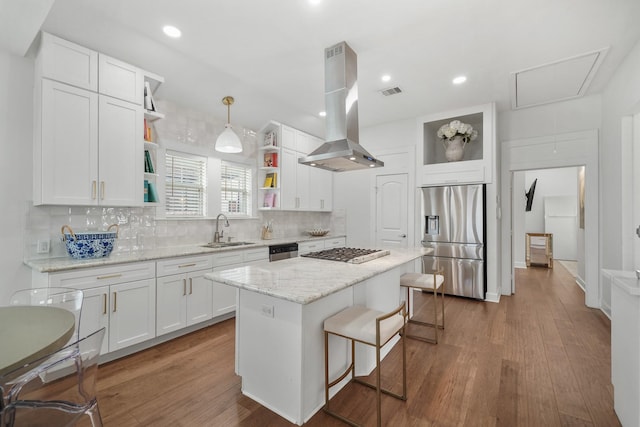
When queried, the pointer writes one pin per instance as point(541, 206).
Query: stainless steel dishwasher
point(283, 251)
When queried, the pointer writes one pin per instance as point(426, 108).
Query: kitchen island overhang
point(281, 307)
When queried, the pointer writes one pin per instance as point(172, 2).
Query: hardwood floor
point(539, 358)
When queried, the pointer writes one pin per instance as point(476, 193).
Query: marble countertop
point(52, 265)
point(303, 280)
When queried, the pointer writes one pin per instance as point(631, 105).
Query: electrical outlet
point(42, 247)
point(267, 310)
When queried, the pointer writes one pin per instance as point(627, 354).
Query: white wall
point(620, 98)
point(353, 190)
point(16, 141)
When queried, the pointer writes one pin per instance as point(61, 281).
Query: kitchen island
point(280, 312)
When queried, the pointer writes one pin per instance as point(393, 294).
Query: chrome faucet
point(218, 234)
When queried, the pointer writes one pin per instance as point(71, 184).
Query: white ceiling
point(269, 54)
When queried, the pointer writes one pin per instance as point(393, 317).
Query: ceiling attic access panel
point(477, 163)
point(557, 81)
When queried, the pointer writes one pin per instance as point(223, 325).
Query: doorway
point(555, 209)
point(562, 150)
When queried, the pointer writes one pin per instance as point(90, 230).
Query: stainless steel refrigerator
point(453, 224)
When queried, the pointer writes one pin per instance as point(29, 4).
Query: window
point(235, 189)
point(186, 185)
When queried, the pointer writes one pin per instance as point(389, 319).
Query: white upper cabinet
point(120, 153)
point(478, 162)
point(66, 145)
point(120, 80)
point(88, 129)
point(67, 62)
point(303, 187)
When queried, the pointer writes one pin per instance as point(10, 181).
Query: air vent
point(391, 91)
point(334, 52)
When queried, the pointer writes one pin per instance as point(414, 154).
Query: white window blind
point(235, 191)
point(186, 185)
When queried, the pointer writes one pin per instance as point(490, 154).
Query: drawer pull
point(104, 303)
point(115, 302)
point(187, 265)
point(93, 189)
point(184, 287)
point(109, 276)
point(101, 190)
point(190, 286)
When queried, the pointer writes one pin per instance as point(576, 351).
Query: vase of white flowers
point(455, 136)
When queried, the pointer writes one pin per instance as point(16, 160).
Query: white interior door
point(391, 210)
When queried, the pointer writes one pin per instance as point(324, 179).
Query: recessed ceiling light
point(352, 158)
point(322, 113)
point(459, 80)
point(386, 78)
point(172, 31)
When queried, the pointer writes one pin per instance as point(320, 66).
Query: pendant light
point(228, 141)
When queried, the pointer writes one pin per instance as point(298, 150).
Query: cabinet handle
point(187, 265)
point(190, 286)
point(115, 302)
point(109, 276)
point(101, 190)
point(93, 189)
point(184, 287)
point(104, 303)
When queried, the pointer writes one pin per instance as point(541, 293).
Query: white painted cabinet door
point(121, 153)
point(288, 187)
point(224, 298)
point(68, 62)
point(302, 184)
point(133, 313)
point(320, 189)
point(66, 148)
point(120, 80)
point(199, 298)
point(95, 314)
point(171, 298)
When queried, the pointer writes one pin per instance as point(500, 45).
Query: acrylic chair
point(39, 393)
point(66, 298)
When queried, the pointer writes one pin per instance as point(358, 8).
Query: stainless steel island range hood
point(341, 152)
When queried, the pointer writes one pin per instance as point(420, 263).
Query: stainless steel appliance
point(342, 151)
point(283, 251)
point(454, 227)
point(350, 255)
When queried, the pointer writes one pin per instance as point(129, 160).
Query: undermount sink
point(226, 244)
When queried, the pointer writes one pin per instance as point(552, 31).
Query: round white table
point(30, 332)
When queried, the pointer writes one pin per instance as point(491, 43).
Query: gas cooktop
point(350, 255)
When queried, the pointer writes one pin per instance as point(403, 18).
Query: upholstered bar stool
point(431, 282)
point(370, 327)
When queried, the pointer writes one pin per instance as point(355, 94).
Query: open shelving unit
point(151, 157)
point(269, 167)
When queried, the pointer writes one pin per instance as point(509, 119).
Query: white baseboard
point(520, 265)
point(492, 297)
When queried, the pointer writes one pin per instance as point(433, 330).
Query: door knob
point(403, 235)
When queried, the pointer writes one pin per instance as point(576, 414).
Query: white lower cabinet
point(183, 299)
point(120, 298)
point(320, 244)
point(224, 296)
